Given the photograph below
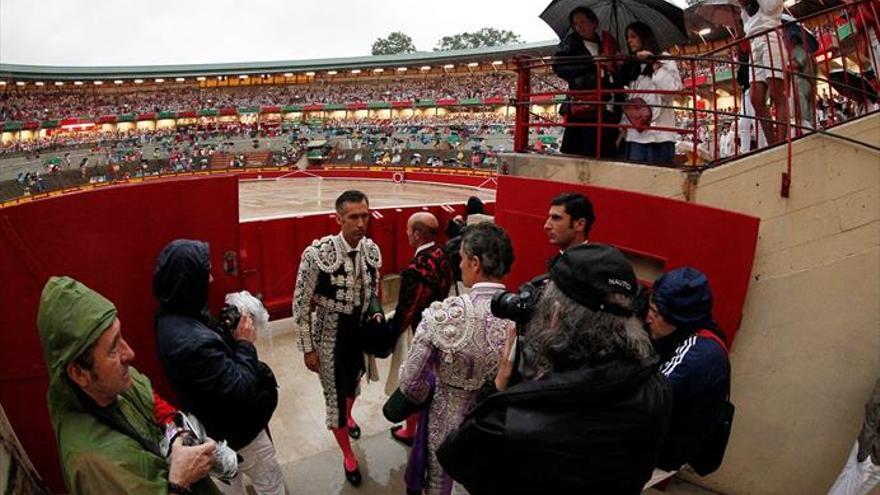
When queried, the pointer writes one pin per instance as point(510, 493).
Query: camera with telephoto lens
point(228, 319)
point(519, 306)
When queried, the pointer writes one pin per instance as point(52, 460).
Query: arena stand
point(80, 229)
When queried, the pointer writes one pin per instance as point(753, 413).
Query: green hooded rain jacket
point(96, 457)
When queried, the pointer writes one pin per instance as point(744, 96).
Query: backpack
point(711, 452)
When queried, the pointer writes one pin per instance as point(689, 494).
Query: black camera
point(519, 306)
point(228, 319)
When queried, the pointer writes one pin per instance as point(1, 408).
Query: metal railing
point(835, 50)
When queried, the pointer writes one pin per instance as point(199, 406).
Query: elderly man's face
point(471, 271)
point(109, 375)
point(412, 235)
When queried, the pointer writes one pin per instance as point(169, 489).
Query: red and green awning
point(314, 107)
point(107, 119)
point(50, 124)
point(292, 108)
point(247, 110)
point(187, 114)
point(271, 109)
point(335, 106)
point(30, 125)
point(495, 100)
point(402, 104)
point(447, 102)
point(426, 103)
point(12, 126)
point(470, 101)
point(358, 105)
point(147, 116)
point(208, 112)
point(376, 105)
point(167, 115)
point(228, 111)
point(126, 117)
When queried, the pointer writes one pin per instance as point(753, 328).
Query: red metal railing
point(835, 50)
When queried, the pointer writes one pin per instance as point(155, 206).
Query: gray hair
point(491, 245)
point(581, 336)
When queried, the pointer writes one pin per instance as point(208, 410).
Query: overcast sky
point(125, 32)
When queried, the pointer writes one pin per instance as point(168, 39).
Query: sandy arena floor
point(271, 198)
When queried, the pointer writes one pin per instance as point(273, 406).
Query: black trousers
point(349, 356)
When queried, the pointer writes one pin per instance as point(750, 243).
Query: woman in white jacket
point(646, 72)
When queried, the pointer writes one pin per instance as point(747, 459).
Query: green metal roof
point(25, 72)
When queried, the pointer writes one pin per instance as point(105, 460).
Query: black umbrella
point(852, 85)
point(665, 19)
point(726, 14)
point(717, 12)
point(719, 16)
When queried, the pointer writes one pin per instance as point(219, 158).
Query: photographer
point(104, 412)
point(590, 408)
point(214, 370)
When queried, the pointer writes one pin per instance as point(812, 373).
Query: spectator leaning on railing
point(646, 110)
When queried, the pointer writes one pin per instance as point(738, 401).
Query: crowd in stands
point(62, 102)
point(420, 131)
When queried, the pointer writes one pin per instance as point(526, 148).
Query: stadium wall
point(808, 350)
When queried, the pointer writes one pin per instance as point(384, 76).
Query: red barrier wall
point(108, 239)
point(271, 249)
point(675, 233)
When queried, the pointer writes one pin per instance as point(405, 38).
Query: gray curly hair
point(564, 334)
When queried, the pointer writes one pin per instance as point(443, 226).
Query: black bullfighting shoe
point(353, 476)
point(354, 431)
point(408, 441)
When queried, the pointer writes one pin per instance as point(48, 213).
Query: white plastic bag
point(247, 303)
point(857, 478)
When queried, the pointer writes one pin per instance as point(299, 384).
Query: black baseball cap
point(589, 272)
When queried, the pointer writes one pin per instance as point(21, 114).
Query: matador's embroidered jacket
point(328, 284)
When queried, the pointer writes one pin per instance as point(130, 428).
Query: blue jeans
point(661, 153)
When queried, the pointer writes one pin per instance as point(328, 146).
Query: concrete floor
point(276, 198)
point(310, 459)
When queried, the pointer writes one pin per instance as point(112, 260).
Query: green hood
point(71, 318)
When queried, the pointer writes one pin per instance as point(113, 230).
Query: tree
point(396, 42)
point(483, 37)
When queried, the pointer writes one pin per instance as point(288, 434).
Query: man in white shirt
point(725, 142)
point(768, 59)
